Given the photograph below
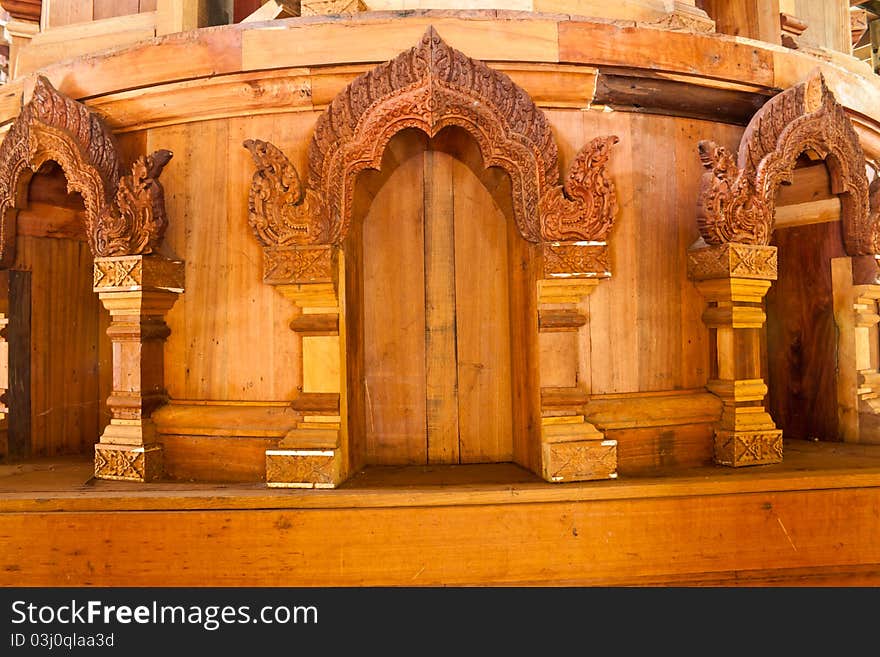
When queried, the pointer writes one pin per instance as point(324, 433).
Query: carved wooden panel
point(737, 197)
point(431, 86)
point(125, 212)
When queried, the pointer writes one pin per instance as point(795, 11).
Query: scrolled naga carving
point(430, 87)
point(125, 213)
point(737, 197)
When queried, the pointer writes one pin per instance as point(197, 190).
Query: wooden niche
point(124, 219)
point(819, 352)
point(423, 322)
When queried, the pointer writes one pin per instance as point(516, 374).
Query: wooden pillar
point(315, 453)
point(856, 315)
point(734, 278)
point(138, 291)
point(572, 449)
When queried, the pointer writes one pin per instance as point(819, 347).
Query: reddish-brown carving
point(430, 87)
point(737, 198)
point(125, 214)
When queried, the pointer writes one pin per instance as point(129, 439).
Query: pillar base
point(575, 450)
point(140, 463)
point(303, 468)
point(741, 448)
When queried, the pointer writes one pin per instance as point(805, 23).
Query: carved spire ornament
point(737, 197)
point(125, 212)
point(430, 87)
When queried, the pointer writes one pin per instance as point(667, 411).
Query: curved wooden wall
point(231, 349)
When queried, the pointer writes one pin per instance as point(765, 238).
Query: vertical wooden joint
point(138, 291)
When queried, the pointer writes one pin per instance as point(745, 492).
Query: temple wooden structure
point(352, 293)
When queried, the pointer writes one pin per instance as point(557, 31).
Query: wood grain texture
point(18, 336)
point(67, 410)
point(753, 19)
point(791, 535)
point(394, 314)
point(441, 372)
point(801, 334)
point(483, 320)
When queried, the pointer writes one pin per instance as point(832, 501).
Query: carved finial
point(737, 201)
point(277, 214)
point(124, 215)
point(139, 225)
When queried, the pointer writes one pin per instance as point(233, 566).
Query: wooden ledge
point(67, 485)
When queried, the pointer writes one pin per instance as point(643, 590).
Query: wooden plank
point(245, 94)
point(442, 384)
point(85, 38)
point(482, 310)
point(180, 57)
point(584, 543)
point(394, 310)
point(380, 39)
point(652, 410)
point(753, 19)
point(218, 459)
point(637, 93)
point(811, 212)
point(18, 335)
point(808, 183)
point(42, 220)
point(645, 451)
point(801, 334)
point(559, 359)
point(683, 52)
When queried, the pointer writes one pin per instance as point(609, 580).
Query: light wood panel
point(753, 19)
point(645, 327)
point(394, 387)
point(230, 336)
point(441, 305)
point(788, 528)
point(483, 319)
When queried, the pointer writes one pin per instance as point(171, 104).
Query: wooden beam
point(18, 335)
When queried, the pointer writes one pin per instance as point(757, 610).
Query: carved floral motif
point(430, 87)
point(298, 265)
point(733, 260)
point(744, 448)
point(566, 259)
point(737, 197)
point(125, 214)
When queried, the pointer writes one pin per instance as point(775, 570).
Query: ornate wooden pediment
point(125, 214)
point(429, 87)
point(737, 197)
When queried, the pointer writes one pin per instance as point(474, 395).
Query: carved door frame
point(302, 227)
point(734, 266)
point(125, 222)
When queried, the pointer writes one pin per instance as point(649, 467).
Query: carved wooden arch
point(429, 87)
point(125, 214)
point(737, 198)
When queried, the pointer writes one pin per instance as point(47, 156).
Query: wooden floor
point(812, 520)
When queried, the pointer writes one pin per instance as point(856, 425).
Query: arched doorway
point(800, 143)
point(432, 374)
point(59, 366)
point(559, 255)
point(802, 337)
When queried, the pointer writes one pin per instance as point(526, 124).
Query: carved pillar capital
point(138, 291)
